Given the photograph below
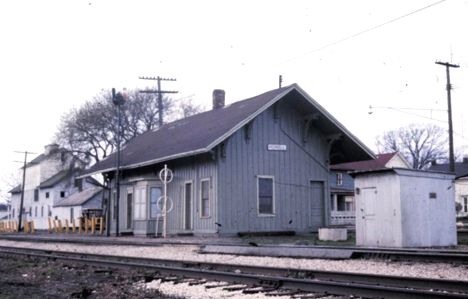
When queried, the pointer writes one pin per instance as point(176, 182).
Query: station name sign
point(277, 147)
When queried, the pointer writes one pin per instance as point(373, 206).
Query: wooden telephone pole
point(20, 212)
point(449, 103)
point(159, 92)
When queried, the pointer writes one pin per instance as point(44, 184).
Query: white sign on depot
point(277, 147)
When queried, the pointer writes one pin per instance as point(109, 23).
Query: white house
point(49, 179)
point(461, 184)
point(71, 207)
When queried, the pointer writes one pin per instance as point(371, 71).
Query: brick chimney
point(218, 98)
point(50, 148)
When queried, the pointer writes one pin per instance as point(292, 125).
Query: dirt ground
point(41, 278)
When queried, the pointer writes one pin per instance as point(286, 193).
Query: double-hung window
point(205, 198)
point(140, 203)
point(339, 178)
point(156, 205)
point(265, 195)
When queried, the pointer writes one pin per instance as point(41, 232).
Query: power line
point(369, 29)
point(402, 110)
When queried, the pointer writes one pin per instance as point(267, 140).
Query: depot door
point(317, 204)
point(188, 198)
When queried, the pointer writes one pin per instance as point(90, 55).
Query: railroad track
point(394, 254)
point(268, 279)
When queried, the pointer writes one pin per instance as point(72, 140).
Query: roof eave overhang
point(149, 162)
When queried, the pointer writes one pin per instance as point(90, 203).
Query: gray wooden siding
point(194, 170)
point(298, 204)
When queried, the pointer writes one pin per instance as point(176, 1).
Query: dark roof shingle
point(79, 198)
point(461, 168)
point(201, 132)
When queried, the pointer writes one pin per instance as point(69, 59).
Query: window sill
point(266, 215)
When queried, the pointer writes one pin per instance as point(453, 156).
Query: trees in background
point(419, 143)
point(89, 132)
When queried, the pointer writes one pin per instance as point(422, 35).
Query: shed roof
point(403, 171)
point(79, 198)
point(200, 133)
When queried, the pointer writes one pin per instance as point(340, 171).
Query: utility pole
point(118, 99)
point(449, 103)
point(20, 212)
point(159, 92)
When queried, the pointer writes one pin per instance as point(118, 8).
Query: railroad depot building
point(257, 165)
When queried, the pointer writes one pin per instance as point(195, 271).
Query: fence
point(11, 226)
point(82, 225)
point(8, 226)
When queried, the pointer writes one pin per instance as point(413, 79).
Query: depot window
point(265, 195)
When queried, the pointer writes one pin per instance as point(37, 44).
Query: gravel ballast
point(190, 253)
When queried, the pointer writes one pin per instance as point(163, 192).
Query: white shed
point(405, 208)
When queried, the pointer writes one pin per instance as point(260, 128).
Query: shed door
point(317, 211)
point(369, 206)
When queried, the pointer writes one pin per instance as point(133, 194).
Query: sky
point(347, 55)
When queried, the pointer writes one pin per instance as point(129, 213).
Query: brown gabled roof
point(378, 163)
point(200, 133)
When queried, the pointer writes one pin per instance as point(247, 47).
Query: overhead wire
point(366, 30)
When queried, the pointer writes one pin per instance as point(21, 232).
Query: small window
point(465, 204)
point(72, 214)
point(47, 195)
point(42, 211)
point(30, 211)
point(205, 198)
point(13, 213)
point(114, 201)
point(265, 189)
point(35, 211)
point(339, 179)
point(36, 194)
point(432, 195)
point(62, 194)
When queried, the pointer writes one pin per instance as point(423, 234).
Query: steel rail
point(339, 283)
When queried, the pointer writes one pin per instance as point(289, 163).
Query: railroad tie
point(234, 288)
point(256, 290)
point(216, 285)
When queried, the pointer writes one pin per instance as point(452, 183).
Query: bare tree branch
point(420, 144)
point(90, 131)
